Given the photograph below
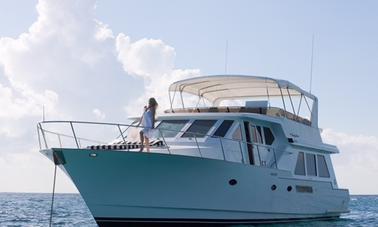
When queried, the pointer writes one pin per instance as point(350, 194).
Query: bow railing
point(71, 138)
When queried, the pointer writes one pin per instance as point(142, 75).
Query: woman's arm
point(153, 112)
point(141, 117)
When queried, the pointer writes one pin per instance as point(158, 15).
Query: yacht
point(231, 149)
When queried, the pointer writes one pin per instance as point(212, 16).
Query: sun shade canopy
point(217, 88)
point(229, 87)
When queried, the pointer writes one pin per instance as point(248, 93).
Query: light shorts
point(148, 132)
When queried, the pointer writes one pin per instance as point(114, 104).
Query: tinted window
point(322, 166)
point(269, 137)
point(311, 164)
point(199, 128)
point(223, 128)
point(170, 128)
point(256, 134)
point(300, 166)
point(237, 135)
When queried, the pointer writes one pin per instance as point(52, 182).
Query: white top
point(147, 119)
point(227, 87)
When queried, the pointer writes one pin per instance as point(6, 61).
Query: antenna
point(43, 113)
point(312, 60)
point(225, 57)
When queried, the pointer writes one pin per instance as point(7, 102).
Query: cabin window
point(223, 128)
point(300, 166)
point(199, 128)
point(322, 166)
point(311, 164)
point(269, 137)
point(170, 128)
point(256, 134)
point(237, 135)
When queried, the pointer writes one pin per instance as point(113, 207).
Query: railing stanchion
point(199, 150)
point(60, 141)
point(275, 159)
point(120, 131)
point(73, 132)
point(258, 152)
point(165, 143)
point(220, 140)
point(241, 151)
point(43, 135)
point(39, 139)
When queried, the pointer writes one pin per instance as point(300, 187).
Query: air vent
point(303, 189)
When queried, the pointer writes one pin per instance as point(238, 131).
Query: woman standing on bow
point(148, 123)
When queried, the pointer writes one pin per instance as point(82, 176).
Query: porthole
point(93, 155)
point(274, 187)
point(233, 182)
point(289, 188)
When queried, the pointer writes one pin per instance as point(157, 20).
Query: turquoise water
point(27, 209)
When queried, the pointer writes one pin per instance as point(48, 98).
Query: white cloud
point(25, 103)
point(152, 60)
point(71, 63)
point(356, 165)
point(146, 57)
point(99, 114)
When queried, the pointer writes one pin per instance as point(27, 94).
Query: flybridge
point(220, 93)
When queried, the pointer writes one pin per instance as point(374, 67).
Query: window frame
point(179, 133)
point(199, 135)
point(271, 131)
point(234, 129)
point(315, 164)
point(325, 165)
point(253, 129)
point(304, 164)
point(227, 130)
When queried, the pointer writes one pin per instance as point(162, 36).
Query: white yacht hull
point(144, 188)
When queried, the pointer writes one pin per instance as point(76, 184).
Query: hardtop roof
point(216, 88)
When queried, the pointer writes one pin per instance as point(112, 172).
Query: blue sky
point(266, 38)
point(272, 38)
point(269, 38)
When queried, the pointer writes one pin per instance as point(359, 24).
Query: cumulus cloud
point(25, 103)
point(152, 60)
point(99, 114)
point(72, 64)
point(356, 165)
point(146, 57)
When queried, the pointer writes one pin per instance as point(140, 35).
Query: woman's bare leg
point(147, 143)
point(141, 140)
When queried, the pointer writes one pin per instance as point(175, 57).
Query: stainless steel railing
point(242, 145)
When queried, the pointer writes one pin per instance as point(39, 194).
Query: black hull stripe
point(105, 222)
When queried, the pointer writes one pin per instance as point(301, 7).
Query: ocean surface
point(29, 209)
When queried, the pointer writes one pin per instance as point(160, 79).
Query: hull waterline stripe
point(163, 221)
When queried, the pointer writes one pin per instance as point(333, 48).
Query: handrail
point(65, 135)
point(141, 127)
point(118, 125)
